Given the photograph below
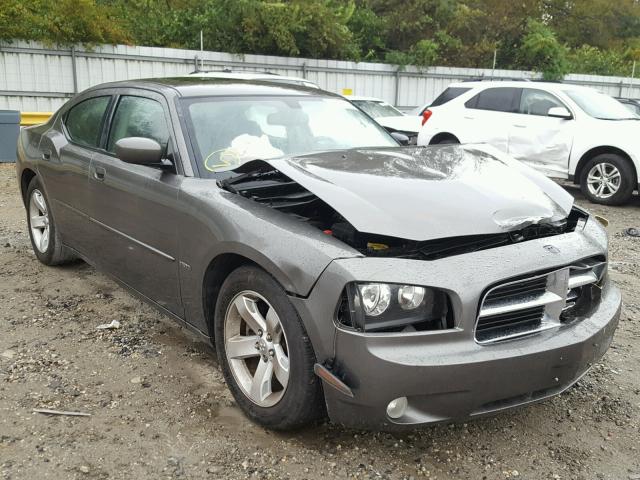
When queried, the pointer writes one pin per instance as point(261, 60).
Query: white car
point(388, 116)
point(259, 76)
point(564, 131)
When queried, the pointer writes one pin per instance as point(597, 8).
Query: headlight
point(385, 307)
point(376, 298)
point(410, 296)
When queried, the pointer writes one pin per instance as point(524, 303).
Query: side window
point(138, 117)
point(449, 94)
point(84, 121)
point(538, 102)
point(500, 99)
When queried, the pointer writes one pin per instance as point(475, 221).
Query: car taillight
point(426, 115)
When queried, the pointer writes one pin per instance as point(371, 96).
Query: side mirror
point(139, 150)
point(559, 112)
point(401, 138)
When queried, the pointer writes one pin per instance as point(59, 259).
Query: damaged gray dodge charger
point(335, 271)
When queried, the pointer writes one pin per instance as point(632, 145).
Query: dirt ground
point(160, 408)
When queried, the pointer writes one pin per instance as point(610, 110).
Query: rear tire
point(608, 179)
point(45, 238)
point(446, 140)
point(267, 360)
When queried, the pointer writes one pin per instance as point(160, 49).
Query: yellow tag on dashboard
point(347, 91)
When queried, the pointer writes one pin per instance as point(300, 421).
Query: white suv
point(562, 130)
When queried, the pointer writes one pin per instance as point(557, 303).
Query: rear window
point(500, 99)
point(448, 95)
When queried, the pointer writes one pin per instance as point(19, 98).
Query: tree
point(62, 22)
point(587, 36)
point(588, 59)
point(369, 32)
point(542, 52)
point(599, 23)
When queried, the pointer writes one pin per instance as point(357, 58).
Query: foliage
point(60, 22)
point(368, 33)
point(424, 53)
point(550, 36)
point(542, 52)
point(588, 59)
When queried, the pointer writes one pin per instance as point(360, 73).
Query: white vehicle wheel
point(608, 179)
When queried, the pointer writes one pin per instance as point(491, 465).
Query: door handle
point(99, 173)
point(469, 118)
point(46, 155)
point(519, 126)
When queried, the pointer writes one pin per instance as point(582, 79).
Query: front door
point(135, 205)
point(538, 140)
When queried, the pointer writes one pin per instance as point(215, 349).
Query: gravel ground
point(160, 408)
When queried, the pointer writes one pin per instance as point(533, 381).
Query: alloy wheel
point(603, 180)
point(256, 348)
point(39, 221)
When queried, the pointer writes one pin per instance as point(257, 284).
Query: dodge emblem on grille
point(551, 248)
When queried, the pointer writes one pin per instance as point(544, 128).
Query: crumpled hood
point(425, 193)
point(403, 123)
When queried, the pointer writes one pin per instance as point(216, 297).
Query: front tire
point(265, 354)
point(45, 238)
point(608, 179)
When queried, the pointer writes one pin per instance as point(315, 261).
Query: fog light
point(397, 407)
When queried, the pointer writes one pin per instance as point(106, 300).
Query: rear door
point(539, 140)
point(135, 205)
point(67, 149)
point(488, 114)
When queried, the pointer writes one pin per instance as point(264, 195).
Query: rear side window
point(138, 117)
point(448, 95)
point(500, 99)
point(84, 121)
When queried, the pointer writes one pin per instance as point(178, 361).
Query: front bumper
point(461, 379)
point(445, 374)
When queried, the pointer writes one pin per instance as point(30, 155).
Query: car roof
point(272, 77)
point(554, 86)
point(197, 86)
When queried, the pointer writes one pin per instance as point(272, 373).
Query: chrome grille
point(511, 323)
point(530, 287)
point(537, 303)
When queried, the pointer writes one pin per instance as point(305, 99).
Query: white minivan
point(564, 131)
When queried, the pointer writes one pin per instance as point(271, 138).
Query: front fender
point(215, 222)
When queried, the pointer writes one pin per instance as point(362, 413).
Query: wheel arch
point(443, 136)
point(219, 268)
point(25, 179)
point(215, 274)
point(593, 152)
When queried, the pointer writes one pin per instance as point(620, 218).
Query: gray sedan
point(335, 271)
